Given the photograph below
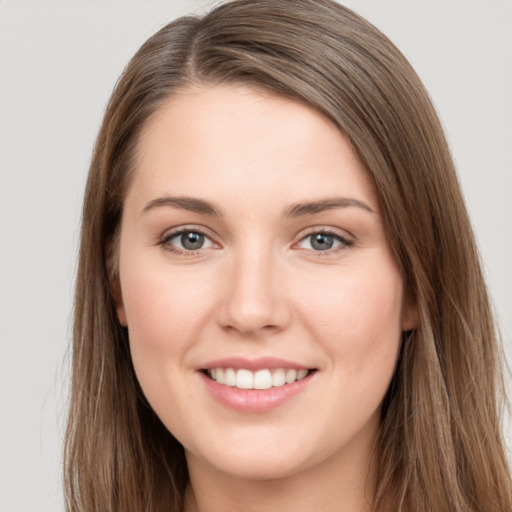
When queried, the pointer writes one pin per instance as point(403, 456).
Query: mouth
point(257, 385)
point(265, 378)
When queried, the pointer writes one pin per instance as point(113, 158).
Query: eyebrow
point(312, 207)
point(295, 210)
point(185, 203)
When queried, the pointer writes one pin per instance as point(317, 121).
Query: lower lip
point(255, 400)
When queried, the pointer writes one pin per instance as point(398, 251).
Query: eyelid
point(169, 233)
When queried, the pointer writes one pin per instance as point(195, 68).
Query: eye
point(187, 240)
point(324, 241)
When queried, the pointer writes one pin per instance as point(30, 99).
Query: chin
point(268, 459)
point(258, 467)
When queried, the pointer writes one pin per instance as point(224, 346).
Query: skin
point(258, 287)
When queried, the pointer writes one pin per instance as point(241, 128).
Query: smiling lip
point(254, 400)
point(253, 365)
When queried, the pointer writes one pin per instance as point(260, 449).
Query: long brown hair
point(440, 446)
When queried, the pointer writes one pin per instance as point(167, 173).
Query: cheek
point(363, 341)
point(358, 318)
point(164, 311)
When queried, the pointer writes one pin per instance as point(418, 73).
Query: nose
point(254, 298)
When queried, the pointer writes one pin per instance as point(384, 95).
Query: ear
point(118, 298)
point(410, 313)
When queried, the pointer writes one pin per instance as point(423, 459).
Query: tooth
point(278, 377)
point(301, 374)
point(244, 379)
point(262, 379)
point(291, 376)
point(230, 377)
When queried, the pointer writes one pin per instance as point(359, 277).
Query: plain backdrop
point(58, 63)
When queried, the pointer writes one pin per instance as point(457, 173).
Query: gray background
point(58, 63)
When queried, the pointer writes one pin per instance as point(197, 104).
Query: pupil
point(322, 242)
point(192, 241)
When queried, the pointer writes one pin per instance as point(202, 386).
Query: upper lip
point(260, 363)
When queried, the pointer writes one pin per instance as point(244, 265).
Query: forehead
point(235, 141)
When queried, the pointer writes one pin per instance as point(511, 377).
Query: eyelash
point(344, 242)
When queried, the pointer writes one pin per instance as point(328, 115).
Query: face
point(263, 303)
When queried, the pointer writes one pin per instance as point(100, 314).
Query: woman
point(279, 299)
